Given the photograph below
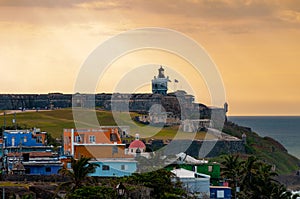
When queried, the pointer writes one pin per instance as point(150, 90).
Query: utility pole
point(3, 192)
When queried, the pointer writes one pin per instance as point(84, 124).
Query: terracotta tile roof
point(101, 152)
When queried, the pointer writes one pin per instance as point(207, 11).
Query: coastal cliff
point(265, 148)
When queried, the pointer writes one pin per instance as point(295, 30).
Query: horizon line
point(263, 115)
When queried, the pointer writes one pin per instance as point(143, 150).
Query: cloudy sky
point(254, 43)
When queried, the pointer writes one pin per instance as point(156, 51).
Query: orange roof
point(94, 151)
point(104, 135)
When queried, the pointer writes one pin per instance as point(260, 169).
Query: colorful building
point(211, 169)
point(26, 152)
point(115, 167)
point(16, 138)
point(104, 146)
point(103, 142)
point(220, 192)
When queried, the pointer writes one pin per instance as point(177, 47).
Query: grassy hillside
point(55, 121)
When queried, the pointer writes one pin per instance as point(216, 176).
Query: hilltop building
point(175, 107)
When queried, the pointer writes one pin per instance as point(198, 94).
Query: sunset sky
point(254, 43)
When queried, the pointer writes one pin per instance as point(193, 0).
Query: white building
point(195, 183)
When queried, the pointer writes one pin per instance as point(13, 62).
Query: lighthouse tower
point(160, 83)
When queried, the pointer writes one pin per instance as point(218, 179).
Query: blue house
point(115, 167)
point(41, 169)
point(27, 149)
point(16, 138)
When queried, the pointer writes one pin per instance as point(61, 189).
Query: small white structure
point(195, 125)
point(195, 183)
point(183, 157)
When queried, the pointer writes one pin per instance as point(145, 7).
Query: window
point(39, 139)
point(210, 168)
point(69, 165)
point(114, 149)
point(48, 169)
point(124, 167)
point(77, 139)
point(194, 168)
point(27, 170)
point(25, 139)
point(220, 194)
point(113, 137)
point(105, 167)
point(13, 141)
point(92, 139)
point(82, 137)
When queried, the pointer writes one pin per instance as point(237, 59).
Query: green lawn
point(55, 121)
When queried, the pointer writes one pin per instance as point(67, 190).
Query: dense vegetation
point(265, 148)
point(254, 178)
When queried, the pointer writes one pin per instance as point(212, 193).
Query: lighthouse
point(160, 83)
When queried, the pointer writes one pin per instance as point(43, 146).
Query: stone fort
point(179, 103)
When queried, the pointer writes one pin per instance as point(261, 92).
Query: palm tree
point(79, 172)
point(263, 184)
point(255, 177)
point(231, 170)
point(250, 172)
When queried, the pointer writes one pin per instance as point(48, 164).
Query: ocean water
point(284, 129)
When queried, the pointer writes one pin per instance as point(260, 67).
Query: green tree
point(78, 173)
point(249, 173)
point(92, 192)
point(154, 162)
point(231, 170)
point(255, 178)
point(160, 182)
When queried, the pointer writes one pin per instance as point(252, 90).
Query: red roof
point(137, 144)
